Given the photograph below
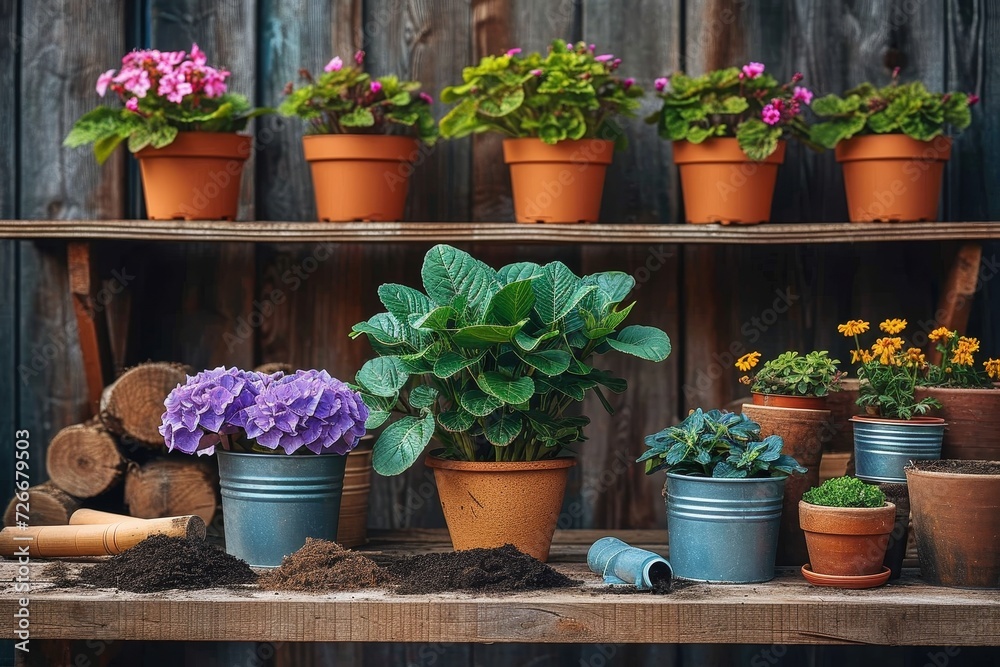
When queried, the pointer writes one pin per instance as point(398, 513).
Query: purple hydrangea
point(308, 409)
point(206, 405)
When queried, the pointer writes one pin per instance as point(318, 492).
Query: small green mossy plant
point(845, 492)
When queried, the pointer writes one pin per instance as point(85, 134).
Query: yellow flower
point(866, 357)
point(885, 350)
point(857, 355)
point(745, 379)
point(992, 368)
point(963, 351)
point(915, 358)
point(853, 327)
point(968, 344)
point(748, 361)
point(962, 358)
point(939, 333)
point(893, 326)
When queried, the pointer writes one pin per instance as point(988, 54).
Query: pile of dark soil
point(498, 570)
point(321, 565)
point(963, 467)
point(59, 574)
point(161, 563)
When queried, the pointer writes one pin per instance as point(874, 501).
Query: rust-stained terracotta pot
point(490, 504)
point(973, 416)
point(721, 184)
point(560, 183)
point(352, 531)
point(846, 541)
point(956, 519)
point(891, 177)
point(842, 405)
point(196, 177)
point(360, 176)
point(779, 401)
point(803, 432)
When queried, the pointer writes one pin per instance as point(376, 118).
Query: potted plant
point(270, 502)
point(892, 146)
point(183, 127)
point(894, 430)
point(847, 525)
point(489, 364)
point(724, 492)
point(955, 519)
point(789, 399)
point(970, 402)
point(363, 135)
point(557, 113)
point(728, 129)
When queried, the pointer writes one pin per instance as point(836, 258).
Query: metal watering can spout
point(620, 563)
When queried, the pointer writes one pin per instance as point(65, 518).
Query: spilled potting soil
point(161, 563)
point(497, 570)
point(321, 566)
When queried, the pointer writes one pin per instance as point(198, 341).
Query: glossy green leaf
point(479, 403)
point(647, 343)
point(502, 430)
point(401, 443)
point(507, 390)
point(383, 376)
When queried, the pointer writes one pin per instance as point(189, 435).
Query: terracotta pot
point(973, 416)
point(360, 176)
point(721, 184)
point(492, 504)
point(893, 177)
point(842, 405)
point(803, 432)
point(352, 531)
point(560, 183)
point(196, 177)
point(779, 401)
point(846, 541)
point(956, 519)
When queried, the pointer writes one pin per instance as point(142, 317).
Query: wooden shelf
point(467, 232)
point(784, 611)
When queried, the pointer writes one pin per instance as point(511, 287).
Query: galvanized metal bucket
point(724, 530)
point(272, 502)
point(883, 447)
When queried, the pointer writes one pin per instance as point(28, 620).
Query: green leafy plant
point(957, 367)
point(845, 492)
point(164, 92)
point(792, 374)
point(569, 93)
point(907, 108)
point(717, 444)
point(489, 362)
point(744, 103)
point(347, 100)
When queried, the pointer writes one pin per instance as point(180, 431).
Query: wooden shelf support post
point(92, 328)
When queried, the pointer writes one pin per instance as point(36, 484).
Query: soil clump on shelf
point(498, 570)
point(324, 566)
point(161, 563)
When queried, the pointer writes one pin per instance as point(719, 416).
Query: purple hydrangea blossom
point(308, 409)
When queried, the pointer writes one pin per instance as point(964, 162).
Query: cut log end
point(48, 505)
point(132, 406)
point(84, 460)
point(170, 487)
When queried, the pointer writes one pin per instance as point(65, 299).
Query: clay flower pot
point(883, 447)
point(956, 520)
point(557, 183)
point(490, 504)
point(352, 531)
point(891, 177)
point(842, 405)
point(973, 416)
point(803, 432)
point(846, 541)
point(721, 184)
point(779, 401)
point(196, 177)
point(360, 176)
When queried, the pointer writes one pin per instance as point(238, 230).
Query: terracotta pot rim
point(846, 580)
point(915, 421)
point(191, 144)
point(970, 390)
point(721, 149)
point(817, 411)
point(847, 510)
point(914, 468)
point(533, 150)
point(499, 466)
point(352, 147)
point(728, 480)
point(890, 146)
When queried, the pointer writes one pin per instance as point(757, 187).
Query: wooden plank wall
point(242, 304)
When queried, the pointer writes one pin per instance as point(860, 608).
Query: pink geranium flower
point(104, 81)
point(770, 115)
point(753, 70)
point(427, 98)
point(536, 72)
point(376, 86)
point(628, 83)
point(198, 56)
point(359, 57)
point(132, 104)
point(803, 95)
point(606, 57)
point(513, 52)
point(334, 65)
point(661, 84)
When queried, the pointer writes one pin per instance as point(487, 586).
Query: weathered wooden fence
point(197, 302)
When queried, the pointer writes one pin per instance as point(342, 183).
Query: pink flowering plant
point(308, 411)
point(572, 92)
point(742, 102)
point(907, 108)
point(344, 99)
point(163, 93)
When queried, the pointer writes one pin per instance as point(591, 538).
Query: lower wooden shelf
point(783, 611)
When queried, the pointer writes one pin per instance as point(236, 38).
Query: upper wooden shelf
point(784, 611)
point(503, 232)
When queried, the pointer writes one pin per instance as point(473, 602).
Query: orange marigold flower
point(858, 355)
point(748, 361)
point(853, 327)
point(893, 326)
point(969, 345)
point(941, 333)
point(915, 358)
point(745, 379)
point(992, 368)
point(962, 358)
point(885, 350)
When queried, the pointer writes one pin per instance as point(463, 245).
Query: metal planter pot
point(272, 502)
point(883, 447)
point(724, 530)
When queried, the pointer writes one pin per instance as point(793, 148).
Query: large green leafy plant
point(744, 103)
point(907, 108)
point(717, 444)
point(569, 93)
point(489, 362)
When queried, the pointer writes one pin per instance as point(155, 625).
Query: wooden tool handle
point(86, 517)
point(94, 539)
